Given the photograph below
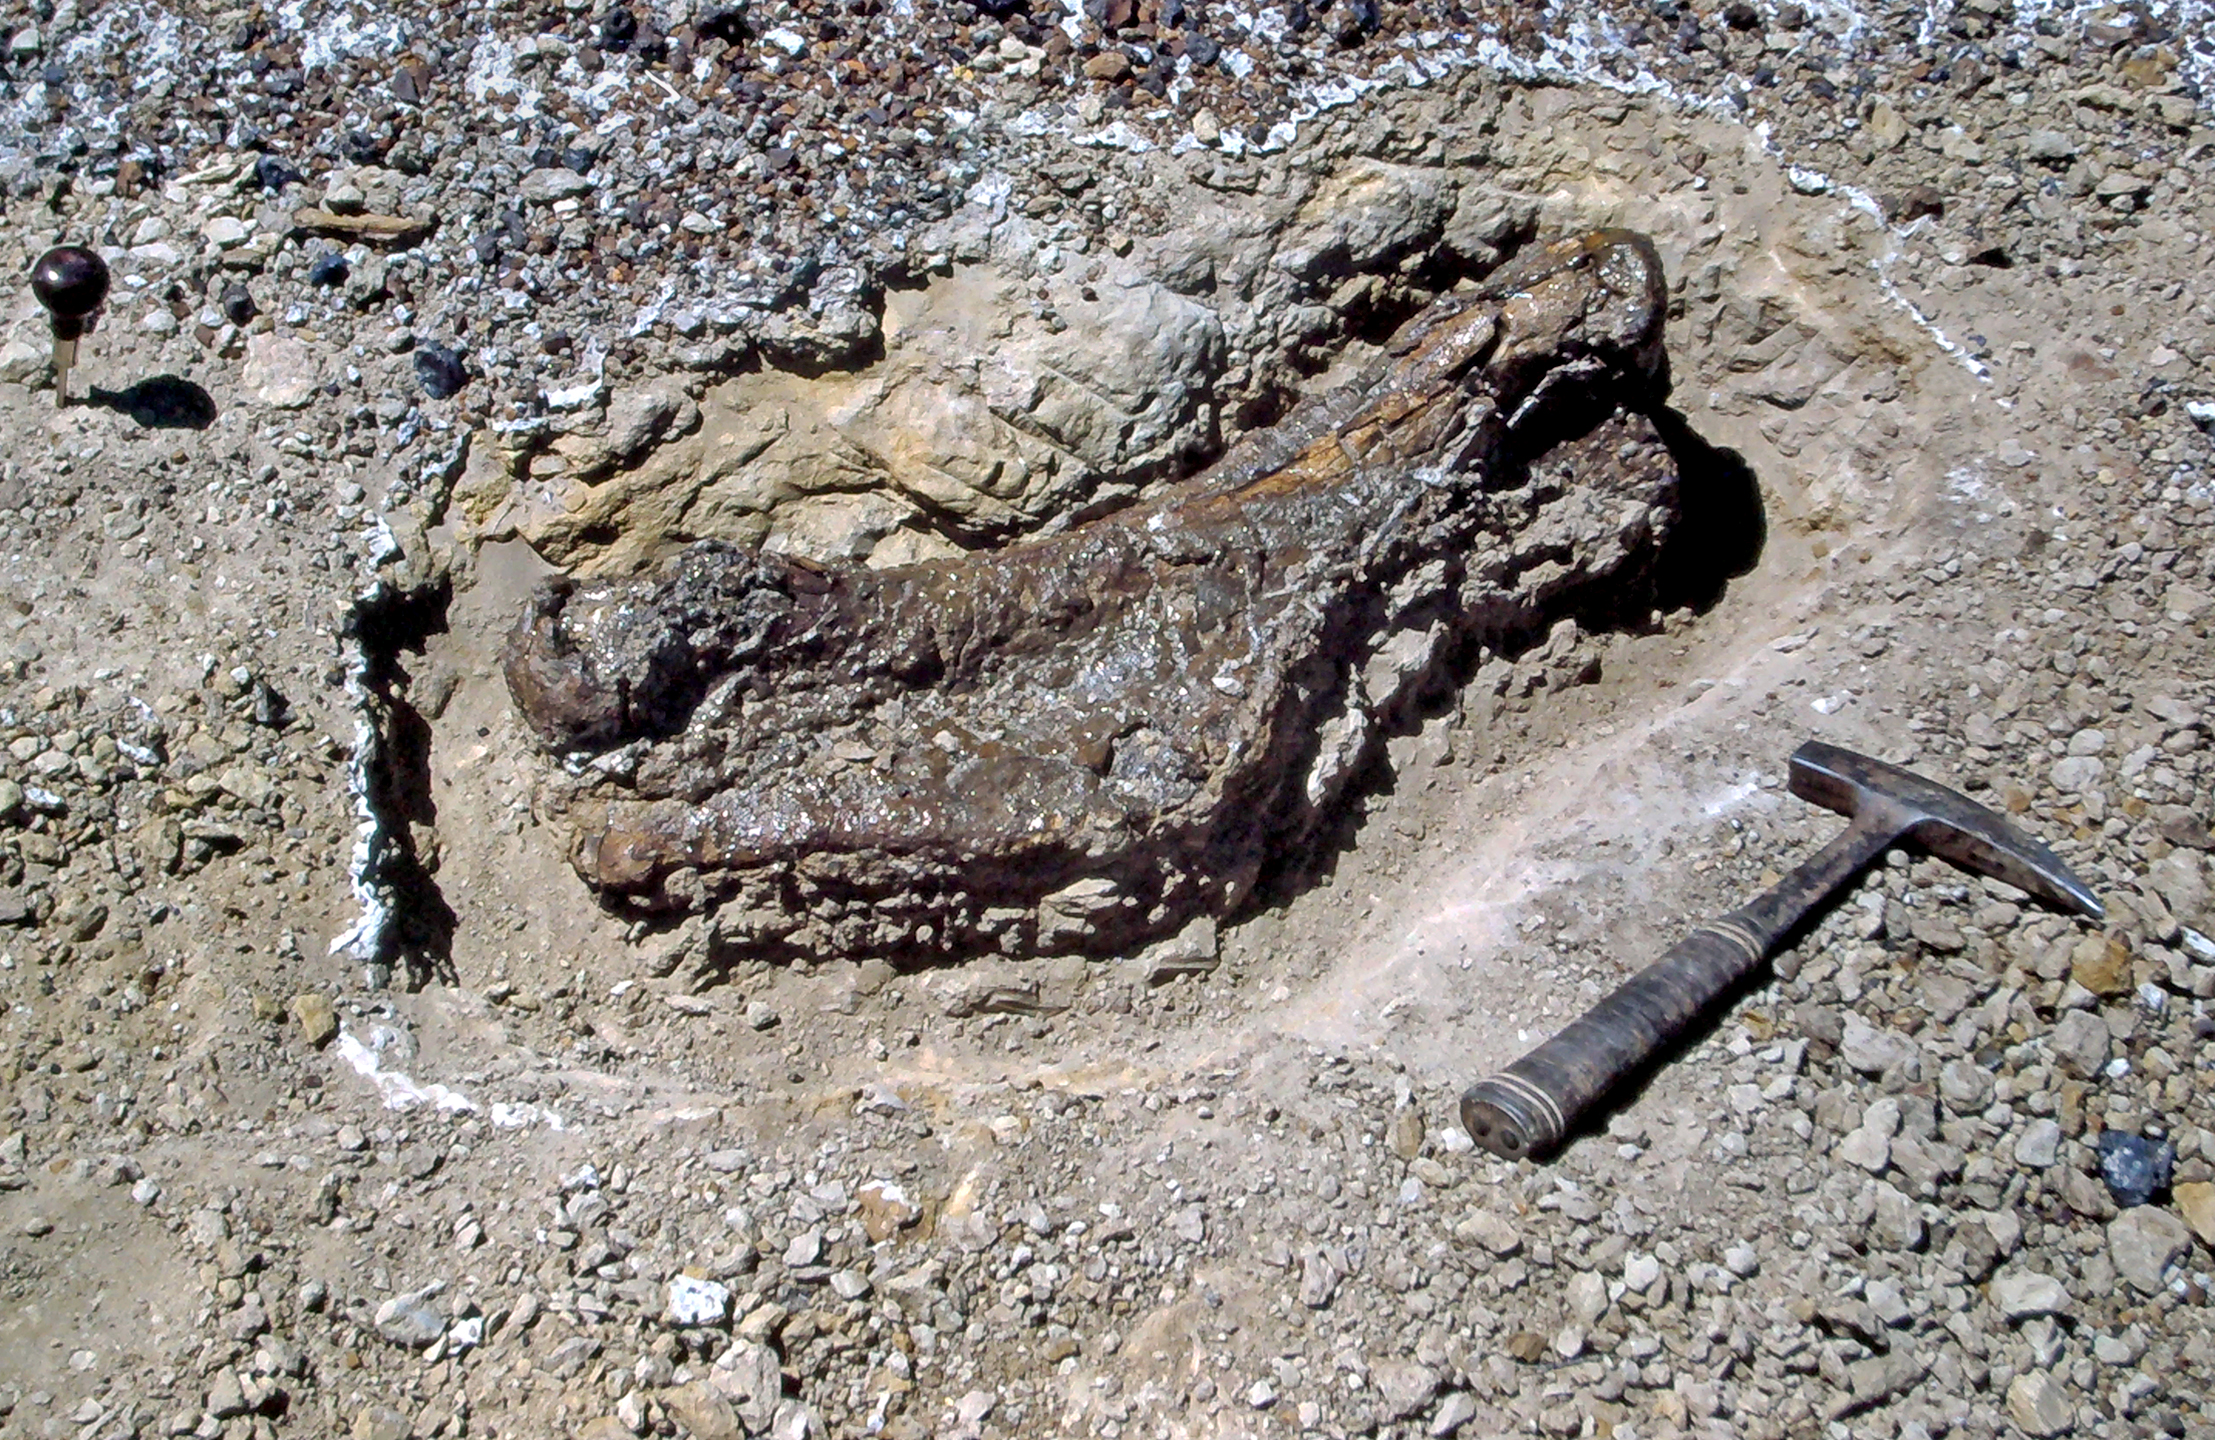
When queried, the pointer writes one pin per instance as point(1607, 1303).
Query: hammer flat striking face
point(1533, 1104)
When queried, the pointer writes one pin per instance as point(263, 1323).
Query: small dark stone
point(1741, 15)
point(439, 371)
point(1297, 19)
point(1791, 15)
point(405, 87)
point(328, 268)
point(362, 148)
point(618, 28)
point(238, 303)
point(577, 158)
point(723, 22)
point(1914, 202)
point(2135, 1169)
point(1202, 50)
point(1764, 76)
point(270, 708)
point(1355, 21)
point(273, 174)
point(487, 248)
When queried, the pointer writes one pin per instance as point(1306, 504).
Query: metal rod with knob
point(72, 283)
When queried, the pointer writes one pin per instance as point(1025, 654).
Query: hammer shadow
point(160, 402)
point(1628, 1091)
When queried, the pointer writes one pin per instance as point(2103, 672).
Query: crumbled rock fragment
point(2080, 1042)
point(703, 1412)
point(2022, 1294)
point(1489, 1230)
point(379, 1421)
point(2040, 1405)
point(1872, 1050)
point(2196, 1203)
point(748, 1375)
point(1318, 1280)
point(2144, 1242)
point(408, 1320)
point(1403, 1386)
point(316, 1017)
point(2039, 1146)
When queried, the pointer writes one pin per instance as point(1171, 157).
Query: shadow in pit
point(160, 402)
point(1721, 527)
point(388, 624)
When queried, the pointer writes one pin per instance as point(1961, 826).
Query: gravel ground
point(330, 1103)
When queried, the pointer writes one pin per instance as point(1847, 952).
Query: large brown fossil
point(1086, 739)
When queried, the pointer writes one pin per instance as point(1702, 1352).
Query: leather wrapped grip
point(1527, 1108)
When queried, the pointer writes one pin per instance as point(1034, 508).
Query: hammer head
point(1944, 822)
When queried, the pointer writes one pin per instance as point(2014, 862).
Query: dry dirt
point(1955, 512)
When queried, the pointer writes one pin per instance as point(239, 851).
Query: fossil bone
point(1087, 739)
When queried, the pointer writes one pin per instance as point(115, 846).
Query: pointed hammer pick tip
point(1947, 822)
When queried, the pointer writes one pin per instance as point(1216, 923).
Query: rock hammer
point(1530, 1107)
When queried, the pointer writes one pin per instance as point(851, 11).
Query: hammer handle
point(1530, 1106)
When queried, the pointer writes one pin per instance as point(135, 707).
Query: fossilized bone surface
point(1084, 740)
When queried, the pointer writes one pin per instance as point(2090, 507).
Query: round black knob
point(71, 282)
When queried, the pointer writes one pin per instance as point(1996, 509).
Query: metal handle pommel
point(1511, 1117)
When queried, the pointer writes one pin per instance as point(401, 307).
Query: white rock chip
point(697, 1302)
point(2021, 1294)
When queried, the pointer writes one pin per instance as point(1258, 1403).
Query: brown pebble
point(2101, 964)
point(317, 1020)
